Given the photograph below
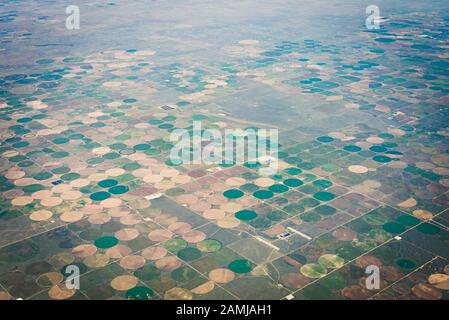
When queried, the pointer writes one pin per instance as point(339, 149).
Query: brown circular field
point(168, 263)
point(221, 275)
point(160, 235)
point(154, 253)
point(132, 262)
point(119, 251)
point(123, 283)
point(84, 250)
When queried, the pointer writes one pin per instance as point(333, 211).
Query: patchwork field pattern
point(86, 177)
